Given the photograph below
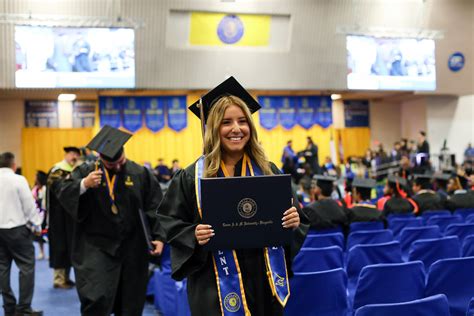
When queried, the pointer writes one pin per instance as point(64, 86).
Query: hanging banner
point(109, 111)
point(306, 111)
point(323, 115)
point(356, 113)
point(176, 112)
point(287, 112)
point(268, 114)
point(41, 114)
point(132, 114)
point(154, 108)
point(83, 114)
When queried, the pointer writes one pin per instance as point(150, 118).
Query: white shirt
point(17, 205)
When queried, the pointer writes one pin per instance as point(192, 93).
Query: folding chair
point(364, 237)
point(314, 231)
point(427, 214)
point(318, 259)
point(431, 250)
point(401, 282)
point(455, 279)
point(318, 294)
point(398, 223)
point(401, 215)
point(464, 212)
point(358, 226)
point(412, 234)
point(324, 240)
point(433, 305)
point(460, 230)
point(443, 221)
point(468, 247)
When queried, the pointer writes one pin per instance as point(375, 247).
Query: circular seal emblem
point(456, 61)
point(230, 29)
point(247, 208)
point(232, 302)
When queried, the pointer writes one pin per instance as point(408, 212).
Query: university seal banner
point(176, 112)
point(306, 111)
point(109, 111)
point(154, 108)
point(132, 114)
point(356, 113)
point(41, 114)
point(220, 29)
point(287, 112)
point(323, 115)
point(268, 115)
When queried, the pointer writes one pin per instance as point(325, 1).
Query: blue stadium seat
point(318, 259)
point(431, 250)
point(402, 215)
point(468, 247)
point(464, 212)
point(460, 230)
point(470, 218)
point(324, 240)
point(314, 231)
point(411, 234)
point(443, 221)
point(363, 255)
point(364, 237)
point(358, 226)
point(397, 224)
point(433, 305)
point(401, 282)
point(455, 279)
point(470, 309)
point(318, 294)
point(427, 214)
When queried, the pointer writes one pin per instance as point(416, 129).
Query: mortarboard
point(363, 183)
point(324, 179)
point(442, 176)
point(72, 148)
point(229, 87)
point(109, 142)
point(423, 179)
point(394, 179)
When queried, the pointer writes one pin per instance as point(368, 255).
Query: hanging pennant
point(154, 109)
point(109, 111)
point(268, 113)
point(176, 112)
point(323, 115)
point(132, 114)
point(287, 112)
point(305, 111)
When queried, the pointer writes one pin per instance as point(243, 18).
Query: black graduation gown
point(460, 199)
point(178, 216)
point(325, 214)
point(364, 213)
point(60, 223)
point(428, 200)
point(110, 255)
point(397, 205)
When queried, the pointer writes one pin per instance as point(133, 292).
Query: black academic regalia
point(324, 214)
point(428, 200)
point(364, 213)
point(460, 199)
point(110, 254)
point(60, 223)
point(178, 216)
point(397, 205)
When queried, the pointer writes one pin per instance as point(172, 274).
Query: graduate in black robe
point(363, 210)
point(324, 212)
point(425, 197)
point(110, 250)
point(459, 197)
point(397, 202)
point(60, 223)
point(230, 135)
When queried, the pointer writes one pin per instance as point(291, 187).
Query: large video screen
point(55, 57)
point(390, 63)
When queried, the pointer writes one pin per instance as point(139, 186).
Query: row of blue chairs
point(324, 293)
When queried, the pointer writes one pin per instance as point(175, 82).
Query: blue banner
point(132, 114)
point(356, 113)
point(287, 112)
point(83, 114)
point(176, 112)
point(41, 114)
point(109, 111)
point(154, 108)
point(268, 114)
point(323, 115)
point(306, 111)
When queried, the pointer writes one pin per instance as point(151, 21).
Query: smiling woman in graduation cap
point(110, 249)
point(231, 148)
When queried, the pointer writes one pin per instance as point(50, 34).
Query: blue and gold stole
point(226, 266)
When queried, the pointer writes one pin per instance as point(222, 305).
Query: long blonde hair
point(212, 140)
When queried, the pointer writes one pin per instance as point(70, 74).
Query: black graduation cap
point(363, 183)
point(72, 148)
point(324, 179)
point(423, 179)
point(229, 87)
point(442, 176)
point(109, 142)
point(394, 179)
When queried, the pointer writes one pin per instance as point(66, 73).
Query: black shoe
point(29, 312)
